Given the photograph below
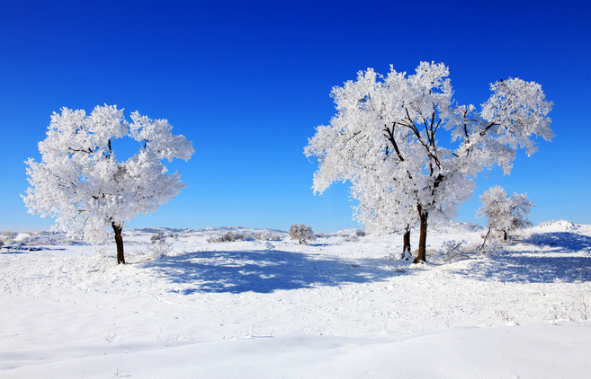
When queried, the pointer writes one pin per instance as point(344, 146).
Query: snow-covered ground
point(343, 306)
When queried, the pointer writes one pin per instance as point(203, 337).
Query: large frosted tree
point(385, 140)
point(86, 188)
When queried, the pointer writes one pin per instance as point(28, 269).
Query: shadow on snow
point(519, 267)
point(263, 271)
point(562, 240)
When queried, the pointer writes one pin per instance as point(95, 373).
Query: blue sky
point(248, 82)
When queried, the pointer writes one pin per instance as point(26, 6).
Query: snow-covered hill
point(264, 306)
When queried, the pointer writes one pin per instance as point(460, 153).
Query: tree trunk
point(424, 217)
point(504, 235)
point(406, 242)
point(119, 241)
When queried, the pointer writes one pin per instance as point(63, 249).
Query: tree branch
point(390, 136)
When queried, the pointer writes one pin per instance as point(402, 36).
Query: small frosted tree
point(505, 213)
point(385, 140)
point(302, 233)
point(82, 184)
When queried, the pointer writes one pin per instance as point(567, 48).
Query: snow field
point(331, 308)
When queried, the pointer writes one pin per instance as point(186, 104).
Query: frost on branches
point(81, 183)
point(505, 213)
point(302, 233)
point(385, 140)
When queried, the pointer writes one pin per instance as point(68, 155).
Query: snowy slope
point(343, 306)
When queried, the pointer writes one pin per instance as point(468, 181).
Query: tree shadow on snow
point(263, 271)
point(562, 240)
point(521, 267)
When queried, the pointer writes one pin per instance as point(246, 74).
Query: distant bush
point(9, 235)
point(244, 235)
point(302, 233)
point(355, 236)
point(351, 238)
point(157, 237)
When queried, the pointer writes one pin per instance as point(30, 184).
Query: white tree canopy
point(505, 213)
point(81, 183)
point(302, 233)
point(384, 139)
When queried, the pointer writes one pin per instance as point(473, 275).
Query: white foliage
point(302, 233)
point(505, 213)
point(160, 248)
point(384, 140)
point(82, 184)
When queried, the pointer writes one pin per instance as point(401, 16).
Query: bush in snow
point(244, 235)
point(505, 213)
point(91, 193)
point(8, 235)
point(452, 250)
point(355, 236)
point(489, 245)
point(302, 233)
point(160, 248)
point(267, 235)
point(157, 237)
point(228, 237)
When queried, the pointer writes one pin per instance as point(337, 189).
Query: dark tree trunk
point(485, 238)
point(406, 242)
point(504, 235)
point(424, 217)
point(119, 241)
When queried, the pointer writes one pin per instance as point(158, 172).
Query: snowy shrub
point(160, 249)
point(505, 213)
point(8, 235)
point(302, 233)
point(351, 238)
point(267, 235)
point(229, 237)
point(360, 233)
point(244, 235)
point(491, 244)
point(452, 251)
point(157, 237)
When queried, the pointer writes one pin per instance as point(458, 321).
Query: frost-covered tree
point(505, 213)
point(385, 140)
point(81, 183)
point(383, 210)
point(302, 233)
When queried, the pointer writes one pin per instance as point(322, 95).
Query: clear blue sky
point(249, 81)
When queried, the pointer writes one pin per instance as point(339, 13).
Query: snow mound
point(558, 226)
point(22, 237)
